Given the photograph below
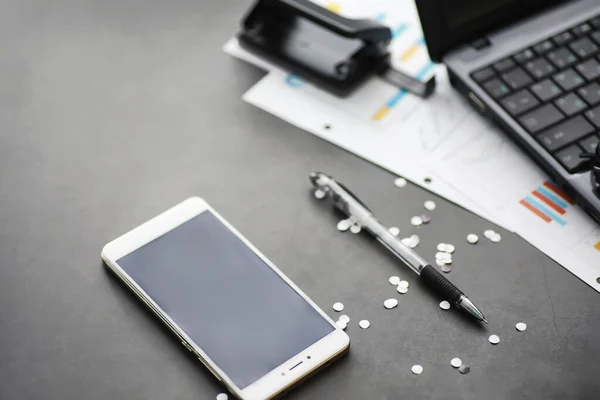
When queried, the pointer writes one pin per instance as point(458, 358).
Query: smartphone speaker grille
point(296, 365)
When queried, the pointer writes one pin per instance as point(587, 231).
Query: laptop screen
point(449, 23)
point(461, 12)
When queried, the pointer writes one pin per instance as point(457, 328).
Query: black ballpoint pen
point(350, 205)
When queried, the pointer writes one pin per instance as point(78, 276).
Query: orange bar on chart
point(379, 115)
point(559, 192)
point(408, 53)
point(597, 246)
point(535, 211)
point(548, 202)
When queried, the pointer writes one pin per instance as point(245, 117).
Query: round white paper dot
point(404, 284)
point(344, 225)
point(456, 362)
point(414, 241)
point(342, 325)
point(417, 369)
point(400, 182)
point(489, 233)
point(364, 324)
point(390, 303)
point(472, 238)
point(416, 221)
point(394, 231)
point(430, 205)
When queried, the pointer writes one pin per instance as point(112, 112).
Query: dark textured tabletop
point(113, 111)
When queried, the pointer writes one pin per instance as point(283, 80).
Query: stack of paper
point(439, 143)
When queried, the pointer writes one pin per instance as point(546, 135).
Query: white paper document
point(439, 143)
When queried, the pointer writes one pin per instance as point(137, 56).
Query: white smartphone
point(228, 304)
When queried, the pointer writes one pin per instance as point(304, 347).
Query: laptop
point(533, 67)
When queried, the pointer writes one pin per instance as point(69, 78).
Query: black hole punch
point(598, 280)
point(344, 69)
point(427, 180)
point(336, 53)
point(327, 126)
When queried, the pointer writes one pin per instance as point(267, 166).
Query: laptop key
point(562, 57)
point(583, 47)
point(483, 75)
point(570, 159)
point(524, 56)
point(496, 88)
point(519, 102)
point(546, 90)
point(539, 68)
point(541, 118)
point(582, 30)
point(593, 116)
point(517, 78)
point(590, 69)
point(590, 93)
point(565, 133)
point(543, 47)
point(595, 22)
point(589, 144)
point(596, 36)
point(568, 79)
point(504, 65)
point(563, 38)
point(570, 104)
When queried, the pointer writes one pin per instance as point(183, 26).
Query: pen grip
point(440, 284)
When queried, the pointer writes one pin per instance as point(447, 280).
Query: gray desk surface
point(112, 111)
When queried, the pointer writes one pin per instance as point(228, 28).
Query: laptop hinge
point(480, 44)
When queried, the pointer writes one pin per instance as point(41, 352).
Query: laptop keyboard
point(552, 89)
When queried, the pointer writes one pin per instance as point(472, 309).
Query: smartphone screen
point(227, 300)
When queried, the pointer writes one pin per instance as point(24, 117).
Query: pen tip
point(485, 320)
